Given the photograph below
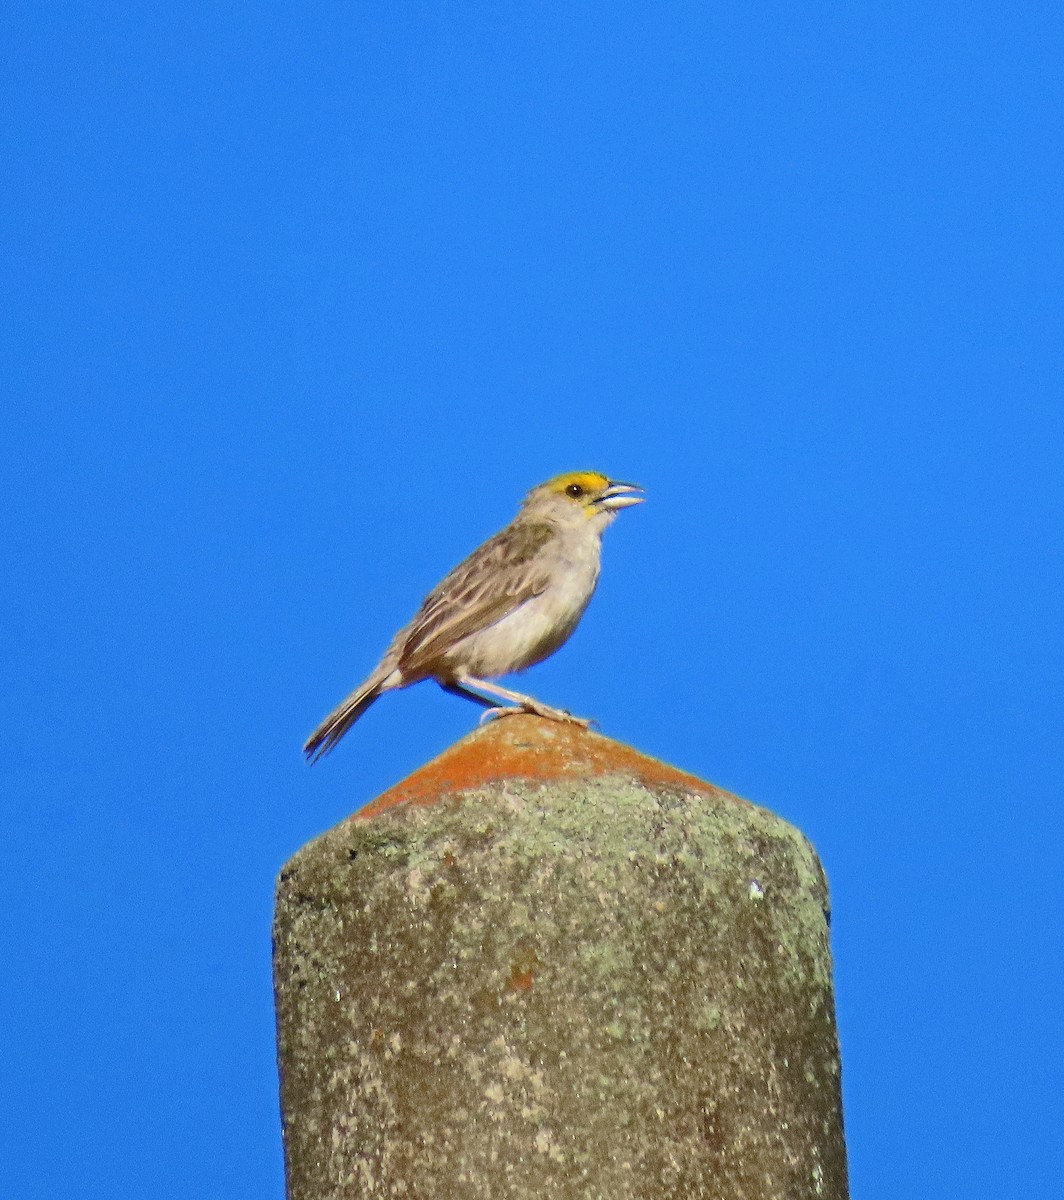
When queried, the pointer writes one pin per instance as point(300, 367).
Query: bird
point(509, 605)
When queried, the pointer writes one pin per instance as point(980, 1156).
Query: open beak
point(619, 495)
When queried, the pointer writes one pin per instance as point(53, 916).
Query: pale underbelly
point(525, 637)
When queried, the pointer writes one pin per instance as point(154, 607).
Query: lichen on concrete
point(582, 984)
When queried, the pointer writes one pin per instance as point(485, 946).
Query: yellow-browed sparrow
point(512, 603)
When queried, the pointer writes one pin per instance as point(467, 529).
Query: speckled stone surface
point(546, 965)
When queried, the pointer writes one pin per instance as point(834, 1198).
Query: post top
point(530, 747)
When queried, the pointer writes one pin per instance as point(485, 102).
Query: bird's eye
point(574, 490)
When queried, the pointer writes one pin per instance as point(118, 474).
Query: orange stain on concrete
point(520, 981)
point(528, 747)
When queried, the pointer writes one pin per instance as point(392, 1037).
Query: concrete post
point(545, 965)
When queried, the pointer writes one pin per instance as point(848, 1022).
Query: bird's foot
point(536, 709)
point(560, 714)
point(502, 710)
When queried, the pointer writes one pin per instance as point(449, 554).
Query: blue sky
point(298, 302)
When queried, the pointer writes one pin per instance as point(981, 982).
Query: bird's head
point(580, 496)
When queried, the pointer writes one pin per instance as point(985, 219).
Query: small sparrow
point(510, 604)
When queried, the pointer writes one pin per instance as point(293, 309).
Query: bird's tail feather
point(340, 720)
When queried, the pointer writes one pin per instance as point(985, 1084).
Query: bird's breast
point(538, 627)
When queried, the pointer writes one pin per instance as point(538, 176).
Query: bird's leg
point(465, 684)
point(456, 689)
point(491, 709)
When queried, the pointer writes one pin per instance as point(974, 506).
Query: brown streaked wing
point(494, 580)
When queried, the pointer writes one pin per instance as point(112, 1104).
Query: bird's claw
point(566, 718)
point(502, 710)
